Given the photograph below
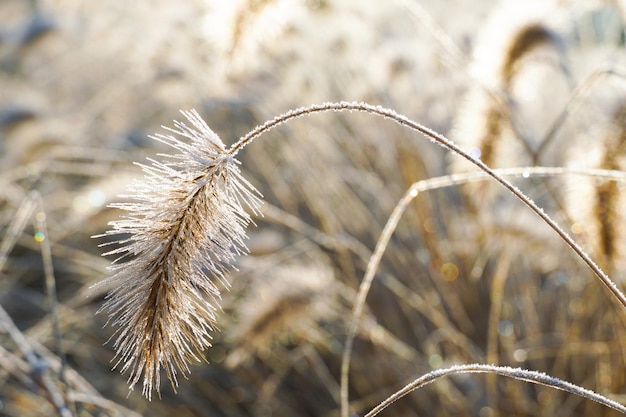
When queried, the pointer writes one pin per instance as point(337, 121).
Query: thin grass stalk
point(14, 364)
point(386, 234)
point(495, 315)
point(42, 237)
point(15, 229)
point(515, 373)
point(38, 367)
point(578, 96)
point(426, 21)
point(103, 403)
point(22, 343)
point(41, 229)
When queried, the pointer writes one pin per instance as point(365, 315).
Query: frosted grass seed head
point(183, 227)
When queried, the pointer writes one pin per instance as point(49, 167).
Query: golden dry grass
point(461, 281)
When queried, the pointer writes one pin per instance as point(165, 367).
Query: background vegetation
point(470, 275)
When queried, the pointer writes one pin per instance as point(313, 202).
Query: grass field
point(470, 274)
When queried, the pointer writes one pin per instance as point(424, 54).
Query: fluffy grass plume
point(184, 225)
point(488, 120)
point(288, 301)
point(597, 207)
point(608, 196)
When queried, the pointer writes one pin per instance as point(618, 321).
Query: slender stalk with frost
point(515, 373)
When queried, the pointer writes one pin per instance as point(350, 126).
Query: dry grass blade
point(516, 373)
point(53, 305)
point(183, 228)
point(19, 222)
point(578, 96)
point(36, 364)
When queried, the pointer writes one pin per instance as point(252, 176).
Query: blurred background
point(469, 276)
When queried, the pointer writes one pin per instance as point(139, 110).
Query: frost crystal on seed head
point(183, 227)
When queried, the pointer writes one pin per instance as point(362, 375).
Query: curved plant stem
point(578, 96)
point(515, 373)
point(449, 145)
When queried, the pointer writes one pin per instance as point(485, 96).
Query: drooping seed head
point(183, 228)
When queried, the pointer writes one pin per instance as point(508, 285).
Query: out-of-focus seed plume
point(597, 207)
point(490, 121)
point(290, 300)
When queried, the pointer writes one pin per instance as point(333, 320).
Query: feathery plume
point(184, 225)
point(597, 207)
point(489, 119)
point(292, 299)
point(519, 64)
